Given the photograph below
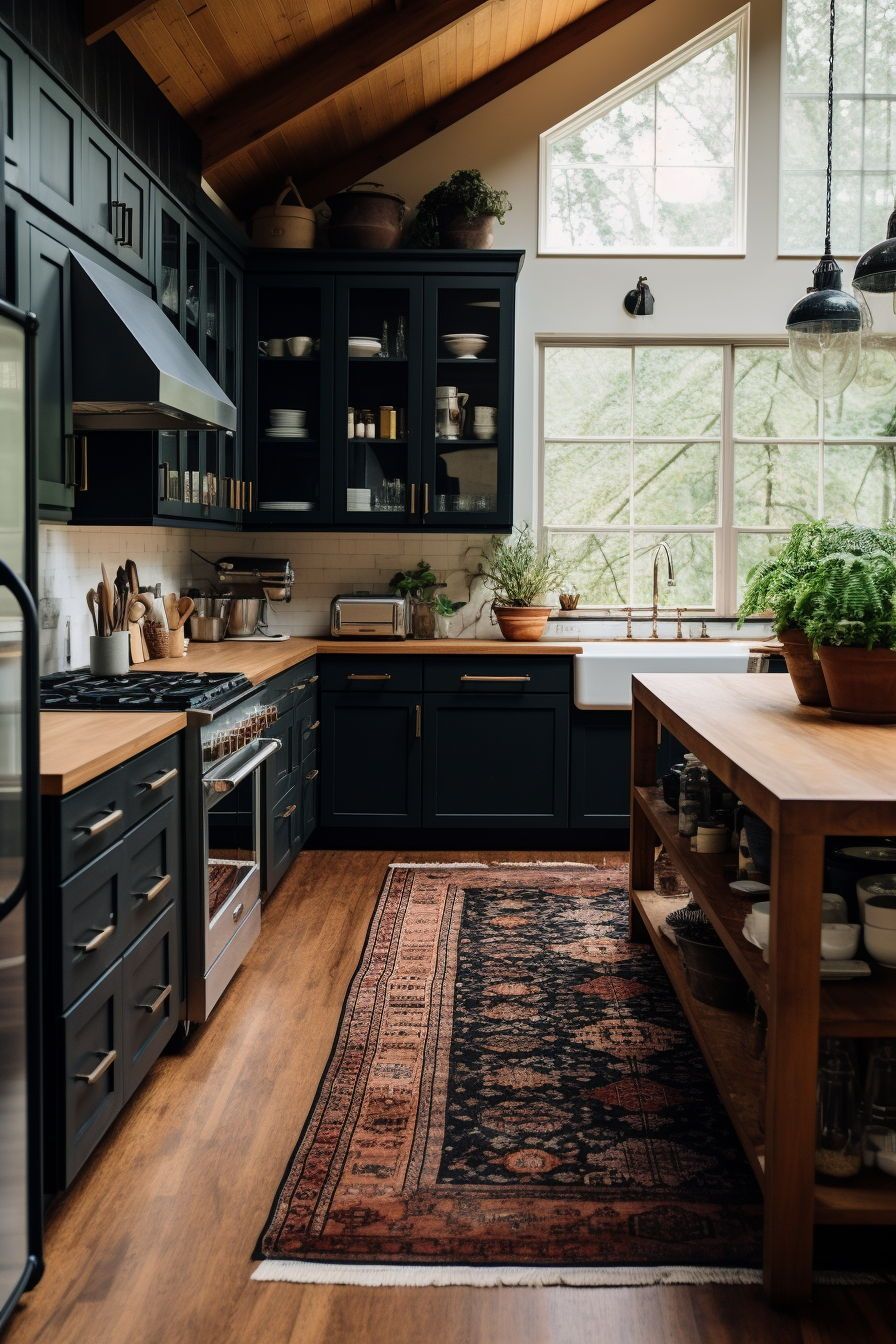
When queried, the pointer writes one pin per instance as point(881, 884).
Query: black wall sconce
point(639, 301)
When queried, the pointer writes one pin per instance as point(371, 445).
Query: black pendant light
point(825, 327)
point(875, 280)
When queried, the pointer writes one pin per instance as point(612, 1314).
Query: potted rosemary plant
point(461, 212)
point(520, 576)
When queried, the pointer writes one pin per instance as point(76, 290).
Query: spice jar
point(838, 1129)
point(351, 422)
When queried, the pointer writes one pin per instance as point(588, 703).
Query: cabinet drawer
point(369, 674)
point(279, 692)
point(92, 917)
point(501, 674)
point(305, 680)
point(280, 830)
point(152, 869)
point(150, 997)
point(94, 1069)
point(92, 819)
point(152, 779)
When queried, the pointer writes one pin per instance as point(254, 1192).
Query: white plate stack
point(287, 424)
point(357, 500)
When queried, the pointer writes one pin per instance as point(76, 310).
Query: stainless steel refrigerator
point(20, 1114)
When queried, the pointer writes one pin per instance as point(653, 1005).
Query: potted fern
point(461, 212)
point(775, 585)
point(520, 576)
point(847, 608)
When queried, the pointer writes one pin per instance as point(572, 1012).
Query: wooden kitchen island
point(807, 776)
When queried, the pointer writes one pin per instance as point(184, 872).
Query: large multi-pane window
point(864, 124)
point(712, 448)
point(658, 164)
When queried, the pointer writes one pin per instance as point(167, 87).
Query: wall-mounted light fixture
point(639, 301)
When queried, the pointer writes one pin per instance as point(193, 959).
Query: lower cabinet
point(290, 797)
point(496, 760)
point(600, 767)
point(371, 758)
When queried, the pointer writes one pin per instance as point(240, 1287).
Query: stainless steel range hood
point(131, 369)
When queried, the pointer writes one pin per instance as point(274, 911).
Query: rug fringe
point(512, 1276)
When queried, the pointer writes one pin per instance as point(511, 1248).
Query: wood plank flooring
point(152, 1244)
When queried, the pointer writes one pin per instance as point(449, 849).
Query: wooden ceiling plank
point(332, 176)
point(248, 113)
point(102, 17)
point(186, 37)
point(482, 33)
point(155, 32)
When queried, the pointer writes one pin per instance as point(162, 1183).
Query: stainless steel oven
point(226, 750)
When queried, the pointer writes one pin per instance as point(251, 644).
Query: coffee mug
point(299, 346)
point(275, 348)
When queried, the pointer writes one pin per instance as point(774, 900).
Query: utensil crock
point(109, 654)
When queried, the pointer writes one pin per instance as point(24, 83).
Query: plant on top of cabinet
point(776, 584)
point(460, 212)
point(521, 575)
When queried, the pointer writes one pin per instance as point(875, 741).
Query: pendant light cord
point(827, 224)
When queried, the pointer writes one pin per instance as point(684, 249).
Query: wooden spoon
point(109, 600)
point(185, 608)
point(131, 571)
point(135, 616)
point(169, 602)
point(91, 606)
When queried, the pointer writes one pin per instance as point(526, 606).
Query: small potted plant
point(520, 576)
point(847, 608)
point(774, 585)
point(460, 212)
point(443, 610)
point(419, 585)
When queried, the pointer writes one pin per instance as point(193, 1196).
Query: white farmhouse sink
point(603, 675)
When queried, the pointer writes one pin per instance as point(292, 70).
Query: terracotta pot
point(365, 219)
point(522, 622)
point(805, 670)
point(860, 681)
point(455, 230)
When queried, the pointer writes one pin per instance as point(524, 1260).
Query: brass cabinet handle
point(418, 720)
point(82, 471)
point(413, 508)
point(99, 937)
point(97, 827)
point(237, 911)
point(312, 774)
point(106, 1062)
point(299, 686)
point(313, 727)
point(312, 679)
point(160, 781)
point(465, 677)
point(156, 890)
point(288, 812)
point(164, 993)
point(369, 676)
point(426, 496)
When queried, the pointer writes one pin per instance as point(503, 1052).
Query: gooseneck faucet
point(670, 582)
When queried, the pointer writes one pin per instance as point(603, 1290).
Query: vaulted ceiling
point(328, 90)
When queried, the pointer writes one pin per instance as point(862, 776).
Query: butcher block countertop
point(77, 746)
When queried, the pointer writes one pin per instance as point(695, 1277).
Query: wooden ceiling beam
point(333, 176)
point(102, 17)
point(247, 114)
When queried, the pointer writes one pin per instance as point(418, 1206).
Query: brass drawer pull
point(369, 676)
point(237, 911)
point(313, 727)
point(418, 720)
point(159, 783)
point(288, 812)
point(156, 890)
point(106, 1062)
point(312, 774)
point(100, 936)
point(103, 824)
point(413, 508)
point(313, 679)
point(465, 677)
point(165, 993)
point(299, 686)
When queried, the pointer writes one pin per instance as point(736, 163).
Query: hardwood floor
point(152, 1244)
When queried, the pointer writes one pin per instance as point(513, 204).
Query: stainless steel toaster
point(370, 616)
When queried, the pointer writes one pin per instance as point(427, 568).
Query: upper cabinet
point(55, 136)
point(379, 391)
point(14, 97)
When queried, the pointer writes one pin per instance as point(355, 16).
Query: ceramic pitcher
point(450, 412)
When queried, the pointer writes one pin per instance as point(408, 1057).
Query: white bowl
point(363, 347)
point(880, 884)
point(757, 924)
point(299, 346)
point(880, 912)
point(465, 344)
point(881, 945)
point(839, 942)
point(833, 908)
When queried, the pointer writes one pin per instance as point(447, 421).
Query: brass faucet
point(679, 612)
point(627, 612)
point(670, 583)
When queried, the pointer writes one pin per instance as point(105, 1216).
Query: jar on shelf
point(838, 1127)
point(351, 422)
point(880, 1107)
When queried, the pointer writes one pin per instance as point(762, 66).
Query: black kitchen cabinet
point(15, 96)
point(600, 770)
point(49, 295)
point(405, 477)
point(290, 798)
point(114, 199)
point(495, 760)
point(371, 758)
point(55, 136)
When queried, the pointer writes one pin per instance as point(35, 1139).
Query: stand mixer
point(254, 582)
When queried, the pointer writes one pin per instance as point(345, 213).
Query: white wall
point(564, 295)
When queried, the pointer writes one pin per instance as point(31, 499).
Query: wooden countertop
point(784, 756)
point(78, 745)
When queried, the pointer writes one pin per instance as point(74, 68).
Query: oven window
point(232, 854)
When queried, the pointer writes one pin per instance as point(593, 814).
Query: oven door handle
point(227, 783)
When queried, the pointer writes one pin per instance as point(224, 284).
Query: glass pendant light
point(875, 281)
point(825, 327)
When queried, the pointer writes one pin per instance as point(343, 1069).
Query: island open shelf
point(807, 776)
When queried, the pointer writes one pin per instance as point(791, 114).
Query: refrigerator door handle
point(31, 762)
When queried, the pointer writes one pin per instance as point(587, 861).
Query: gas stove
point(142, 690)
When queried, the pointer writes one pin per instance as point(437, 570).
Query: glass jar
point(838, 1127)
point(880, 1103)
point(423, 624)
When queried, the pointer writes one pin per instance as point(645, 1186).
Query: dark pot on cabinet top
point(456, 230)
point(365, 217)
point(860, 682)
point(710, 972)
point(804, 668)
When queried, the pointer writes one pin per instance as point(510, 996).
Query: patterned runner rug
point(513, 1096)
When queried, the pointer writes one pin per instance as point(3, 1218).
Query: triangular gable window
point(658, 164)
